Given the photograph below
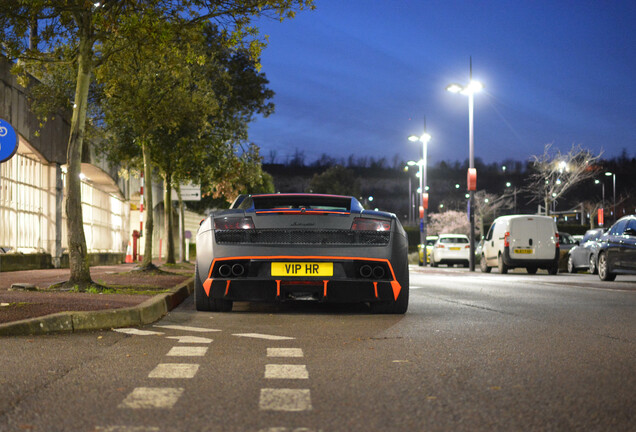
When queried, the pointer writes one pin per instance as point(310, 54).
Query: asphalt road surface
point(474, 352)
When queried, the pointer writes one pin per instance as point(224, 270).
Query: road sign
point(189, 192)
point(8, 141)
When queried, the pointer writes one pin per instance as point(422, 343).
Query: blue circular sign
point(8, 141)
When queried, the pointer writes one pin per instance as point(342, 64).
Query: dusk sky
point(359, 76)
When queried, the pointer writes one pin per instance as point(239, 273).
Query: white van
point(528, 241)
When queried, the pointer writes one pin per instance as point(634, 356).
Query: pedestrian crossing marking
point(149, 397)
point(174, 370)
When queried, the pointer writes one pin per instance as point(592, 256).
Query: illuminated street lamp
point(469, 90)
point(424, 139)
point(613, 193)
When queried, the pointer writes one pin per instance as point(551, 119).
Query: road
point(474, 352)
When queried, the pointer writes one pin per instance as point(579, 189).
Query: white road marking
point(174, 370)
point(186, 328)
point(127, 429)
point(135, 331)
point(262, 336)
point(185, 351)
point(284, 352)
point(291, 429)
point(285, 371)
point(149, 397)
point(285, 400)
point(191, 339)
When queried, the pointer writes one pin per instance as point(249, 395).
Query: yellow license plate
point(302, 269)
point(523, 251)
point(455, 248)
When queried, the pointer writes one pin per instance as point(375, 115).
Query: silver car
point(583, 256)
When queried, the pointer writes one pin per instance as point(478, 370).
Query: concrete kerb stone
point(147, 312)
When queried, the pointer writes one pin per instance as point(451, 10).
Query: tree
point(488, 205)
point(556, 173)
point(41, 31)
point(336, 180)
point(448, 222)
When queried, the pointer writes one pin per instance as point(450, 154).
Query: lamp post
point(424, 139)
point(469, 90)
point(613, 193)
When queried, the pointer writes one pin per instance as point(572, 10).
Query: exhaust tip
point(225, 270)
point(366, 271)
point(238, 270)
point(378, 272)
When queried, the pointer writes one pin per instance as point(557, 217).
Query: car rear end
point(532, 241)
point(452, 250)
point(270, 252)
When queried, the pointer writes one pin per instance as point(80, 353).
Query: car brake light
point(506, 243)
point(556, 237)
point(364, 224)
point(440, 246)
point(467, 246)
point(234, 223)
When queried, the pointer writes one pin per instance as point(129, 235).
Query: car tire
point(420, 263)
point(201, 300)
point(483, 265)
point(603, 271)
point(531, 270)
point(592, 264)
point(553, 269)
point(501, 265)
point(396, 307)
point(466, 264)
point(571, 268)
point(205, 303)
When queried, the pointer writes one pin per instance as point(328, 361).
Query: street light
point(613, 193)
point(469, 90)
point(424, 139)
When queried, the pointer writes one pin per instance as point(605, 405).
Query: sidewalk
point(141, 298)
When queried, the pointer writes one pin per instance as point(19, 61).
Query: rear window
point(288, 202)
point(461, 240)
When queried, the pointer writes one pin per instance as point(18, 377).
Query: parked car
point(430, 241)
point(566, 241)
point(451, 249)
point(617, 249)
point(583, 256)
point(528, 241)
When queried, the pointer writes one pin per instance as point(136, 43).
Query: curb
point(147, 312)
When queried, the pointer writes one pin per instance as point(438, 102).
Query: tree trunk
point(146, 263)
point(182, 252)
point(77, 250)
point(168, 219)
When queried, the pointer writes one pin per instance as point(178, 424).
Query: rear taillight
point(234, 223)
point(556, 239)
point(467, 246)
point(364, 224)
point(506, 242)
point(439, 246)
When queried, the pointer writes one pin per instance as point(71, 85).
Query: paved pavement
point(146, 312)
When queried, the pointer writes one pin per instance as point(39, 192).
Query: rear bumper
point(353, 280)
point(529, 262)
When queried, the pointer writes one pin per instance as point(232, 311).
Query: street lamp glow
point(508, 184)
point(609, 174)
point(454, 88)
point(423, 139)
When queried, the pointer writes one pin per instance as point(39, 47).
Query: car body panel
point(581, 254)
point(618, 247)
point(451, 249)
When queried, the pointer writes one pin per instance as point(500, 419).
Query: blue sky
point(358, 77)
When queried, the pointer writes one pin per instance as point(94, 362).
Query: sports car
point(280, 247)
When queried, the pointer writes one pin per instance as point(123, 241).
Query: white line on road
point(149, 397)
point(186, 328)
point(135, 331)
point(126, 429)
point(181, 351)
point(284, 352)
point(174, 370)
point(285, 371)
point(191, 339)
point(285, 400)
point(262, 336)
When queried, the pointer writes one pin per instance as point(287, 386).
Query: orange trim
point(324, 294)
point(277, 288)
point(292, 211)
point(375, 288)
point(396, 288)
point(227, 288)
point(206, 286)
